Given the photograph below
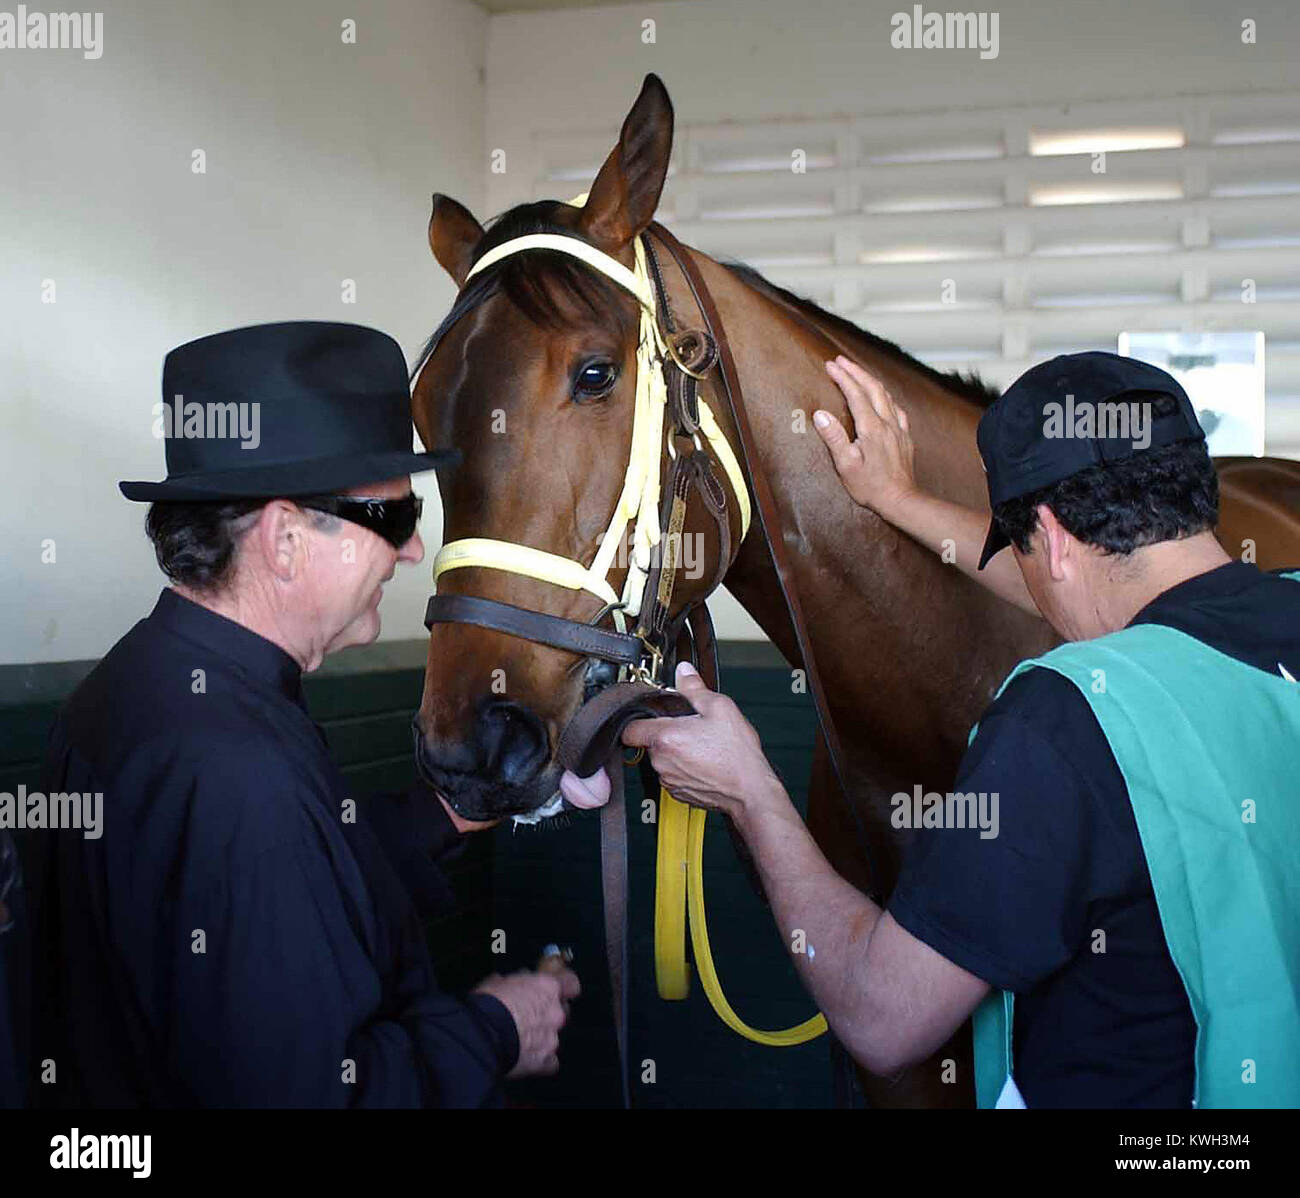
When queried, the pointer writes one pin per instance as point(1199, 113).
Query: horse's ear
point(453, 234)
point(623, 199)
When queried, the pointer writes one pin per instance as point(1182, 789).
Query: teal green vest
point(1210, 751)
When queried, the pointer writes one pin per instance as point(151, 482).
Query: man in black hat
point(241, 934)
point(1132, 910)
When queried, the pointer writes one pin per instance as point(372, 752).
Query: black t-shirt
point(1027, 910)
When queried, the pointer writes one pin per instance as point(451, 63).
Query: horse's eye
point(594, 380)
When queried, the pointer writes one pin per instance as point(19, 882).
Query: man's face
point(1037, 575)
point(349, 566)
point(1061, 575)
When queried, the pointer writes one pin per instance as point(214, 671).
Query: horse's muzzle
point(500, 769)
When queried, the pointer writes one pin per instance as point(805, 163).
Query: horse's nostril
point(514, 741)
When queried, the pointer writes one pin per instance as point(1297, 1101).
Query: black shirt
point(1028, 910)
point(14, 954)
point(236, 936)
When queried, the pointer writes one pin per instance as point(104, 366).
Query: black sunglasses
point(393, 519)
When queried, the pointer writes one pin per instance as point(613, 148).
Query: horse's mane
point(969, 386)
point(544, 284)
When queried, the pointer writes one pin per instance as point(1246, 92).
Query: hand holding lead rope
point(713, 759)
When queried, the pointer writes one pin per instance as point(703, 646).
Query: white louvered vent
point(1045, 254)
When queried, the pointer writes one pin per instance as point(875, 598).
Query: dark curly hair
point(195, 542)
point(1161, 495)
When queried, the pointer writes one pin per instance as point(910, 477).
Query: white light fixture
point(923, 253)
point(1086, 249)
point(1256, 136)
point(932, 203)
point(1045, 143)
point(1049, 195)
point(738, 164)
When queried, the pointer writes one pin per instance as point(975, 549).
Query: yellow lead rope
point(679, 885)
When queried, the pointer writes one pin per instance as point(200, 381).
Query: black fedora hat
point(296, 408)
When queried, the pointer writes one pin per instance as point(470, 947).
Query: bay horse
point(532, 375)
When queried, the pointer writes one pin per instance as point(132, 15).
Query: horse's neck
point(909, 648)
point(941, 422)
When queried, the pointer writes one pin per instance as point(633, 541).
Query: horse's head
point(533, 375)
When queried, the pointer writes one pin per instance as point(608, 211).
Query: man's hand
point(712, 759)
point(875, 464)
point(538, 1001)
point(876, 470)
point(585, 793)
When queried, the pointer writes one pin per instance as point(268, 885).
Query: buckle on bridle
point(672, 448)
point(650, 668)
point(693, 352)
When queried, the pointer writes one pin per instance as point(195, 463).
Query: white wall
point(741, 59)
point(320, 161)
point(321, 158)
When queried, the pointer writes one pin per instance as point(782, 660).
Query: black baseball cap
point(1050, 424)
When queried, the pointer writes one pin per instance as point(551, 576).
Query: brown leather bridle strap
point(592, 739)
point(584, 639)
point(614, 896)
point(770, 520)
point(596, 730)
point(690, 474)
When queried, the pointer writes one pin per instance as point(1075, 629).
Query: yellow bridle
point(679, 868)
point(639, 498)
